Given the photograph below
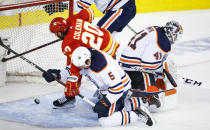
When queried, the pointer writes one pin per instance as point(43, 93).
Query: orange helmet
point(58, 24)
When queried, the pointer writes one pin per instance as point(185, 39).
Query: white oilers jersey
point(102, 5)
point(107, 75)
point(146, 51)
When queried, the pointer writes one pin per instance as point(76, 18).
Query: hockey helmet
point(173, 31)
point(58, 24)
point(81, 57)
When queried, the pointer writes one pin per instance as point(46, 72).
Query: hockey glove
point(50, 74)
point(71, 89)
point(102, 107)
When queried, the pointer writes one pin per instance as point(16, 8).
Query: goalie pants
point(144, 81)
point(141, 80)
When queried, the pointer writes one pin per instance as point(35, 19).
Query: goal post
point(26, 23)
point(3, 53)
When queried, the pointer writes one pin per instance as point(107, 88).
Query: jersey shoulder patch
point(163, 40)
point(98, 61)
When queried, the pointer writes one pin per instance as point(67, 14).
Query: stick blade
point(3, 59)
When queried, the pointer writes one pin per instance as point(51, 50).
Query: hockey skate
point(153, 101)
point(145, 116)
point(64, 102)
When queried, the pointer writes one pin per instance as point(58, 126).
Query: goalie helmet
point(58, 24)
point(173, 30)
point(81, 57)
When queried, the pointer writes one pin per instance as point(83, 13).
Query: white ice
point(191, 55)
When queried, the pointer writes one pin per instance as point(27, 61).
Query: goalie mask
point(173, 31)
point(81, 57)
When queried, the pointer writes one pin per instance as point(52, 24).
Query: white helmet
point(173, 30)
point(81, 57)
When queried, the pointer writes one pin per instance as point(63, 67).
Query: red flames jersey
point(82, 33)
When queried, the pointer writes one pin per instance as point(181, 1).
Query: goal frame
point(8, 7)
point(32, 3)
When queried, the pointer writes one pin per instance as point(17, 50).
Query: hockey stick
point(138, 93)
point(131, 29)
point(71, 7)
point(34, 49)
point(42, 70)
point(170, 78)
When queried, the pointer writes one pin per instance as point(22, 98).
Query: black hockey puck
point(36, 100)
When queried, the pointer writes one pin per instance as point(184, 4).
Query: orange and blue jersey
point(147, 50)
point(107, 75)
point(117, 13)
point(119, 88)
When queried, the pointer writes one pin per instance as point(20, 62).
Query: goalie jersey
point(146, 51)
point(107, 75)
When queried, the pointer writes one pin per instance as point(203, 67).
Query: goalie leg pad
point(161, 84)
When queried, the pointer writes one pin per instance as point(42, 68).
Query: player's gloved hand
point(102, 107)
point(50, 74)
point(71, 89)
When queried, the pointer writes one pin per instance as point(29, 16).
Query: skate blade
point(64, 107)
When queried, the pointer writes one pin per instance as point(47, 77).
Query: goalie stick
point(170, 78)
point(138, 93)
point(34, 49)
point(42, 70)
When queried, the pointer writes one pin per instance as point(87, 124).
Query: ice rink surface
point(191, 55)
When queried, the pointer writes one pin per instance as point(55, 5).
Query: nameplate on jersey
point(73, 78)
point(78, 29)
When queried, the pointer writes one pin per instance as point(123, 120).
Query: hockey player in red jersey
point(76, 31)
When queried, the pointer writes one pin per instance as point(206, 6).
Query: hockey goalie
point(144, 60)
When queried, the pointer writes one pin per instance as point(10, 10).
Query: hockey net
point(26, 24)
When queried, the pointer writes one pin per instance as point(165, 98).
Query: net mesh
point(28, 28)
